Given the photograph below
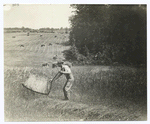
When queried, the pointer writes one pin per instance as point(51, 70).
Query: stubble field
point(99, 93)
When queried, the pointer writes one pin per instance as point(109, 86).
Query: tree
point(66, 30)
point(117, 31)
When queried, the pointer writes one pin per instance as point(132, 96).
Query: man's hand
point(54, 65)
point(63, 72)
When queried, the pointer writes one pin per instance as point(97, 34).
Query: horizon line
point(38, 28)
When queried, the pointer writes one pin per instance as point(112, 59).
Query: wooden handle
point(50, 82)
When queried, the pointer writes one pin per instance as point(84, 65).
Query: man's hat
point(60, 62)
point(68, 63)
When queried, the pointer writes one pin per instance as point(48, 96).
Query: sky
point(37, 15)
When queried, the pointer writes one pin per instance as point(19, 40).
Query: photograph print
point(75, 62)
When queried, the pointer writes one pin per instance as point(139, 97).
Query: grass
point(121, 82)
point(95, 91)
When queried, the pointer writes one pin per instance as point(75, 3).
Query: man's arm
point(56, 76)
point(63, 72)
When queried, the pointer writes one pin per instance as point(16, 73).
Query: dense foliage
point(109, 33)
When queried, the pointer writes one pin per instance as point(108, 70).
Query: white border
point(67, 2)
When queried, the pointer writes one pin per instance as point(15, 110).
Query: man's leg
point(66, 89)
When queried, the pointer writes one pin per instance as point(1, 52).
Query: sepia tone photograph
point(75, 62)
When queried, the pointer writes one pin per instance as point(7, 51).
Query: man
point(66, 70)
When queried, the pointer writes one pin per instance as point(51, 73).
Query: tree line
point(40, 30)
point(105, 34)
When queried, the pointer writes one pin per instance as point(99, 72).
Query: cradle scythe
point(39, 84)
